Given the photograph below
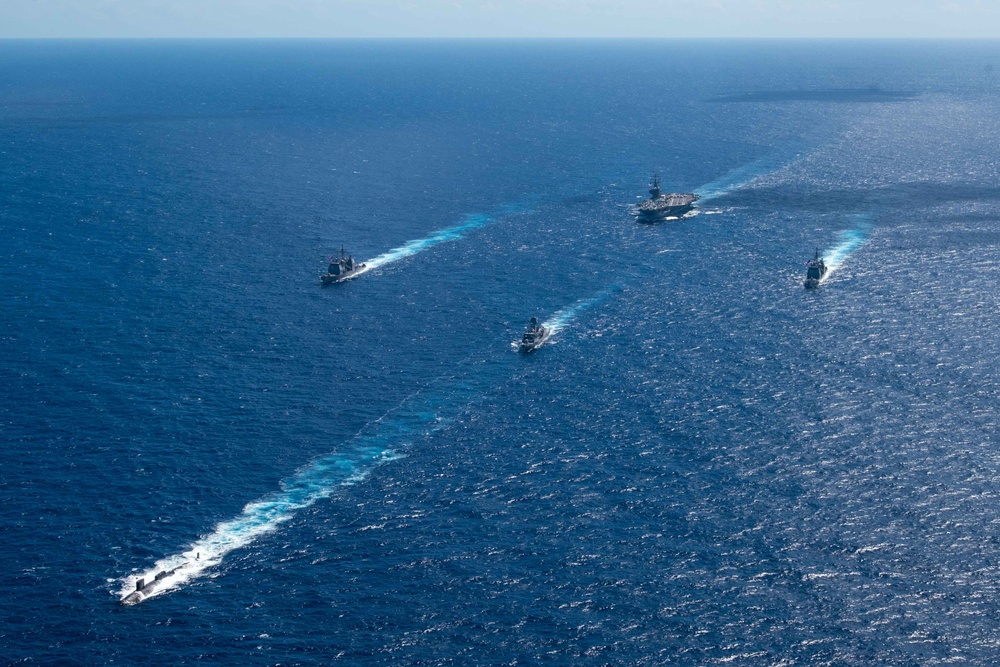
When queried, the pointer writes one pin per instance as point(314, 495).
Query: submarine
point(143, 588)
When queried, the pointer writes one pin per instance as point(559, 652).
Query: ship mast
point(654, 191)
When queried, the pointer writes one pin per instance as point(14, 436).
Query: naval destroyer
point(535, 336)
point(815, 270)
point(661, 206)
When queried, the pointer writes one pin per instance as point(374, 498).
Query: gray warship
point(535, 336)
point(341, 269)
point(661, 206)
point(815, 270)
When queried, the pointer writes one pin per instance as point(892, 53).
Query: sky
point(501, 18)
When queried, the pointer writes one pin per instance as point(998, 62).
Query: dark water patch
point(803, 197)
point(853, 95)
point(930, 193)
point(946, 234)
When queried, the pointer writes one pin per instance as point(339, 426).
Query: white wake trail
point(411, 248)
point(850, 240)
point(418, 415)
point(742, 176)
point(562, 318)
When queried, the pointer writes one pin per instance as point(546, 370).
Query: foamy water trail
point(411, 248)
point(562, 319)
point(850, 240)
point(741, 176)
point(419, 415)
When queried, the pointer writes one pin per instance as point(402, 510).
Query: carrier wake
point(662, 206)
point(742, 176)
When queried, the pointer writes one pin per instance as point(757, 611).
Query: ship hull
point(133, 598)
point(145, 589)
point(525, 348)
point(815, 274)
point(331, 279)
point(651, 217)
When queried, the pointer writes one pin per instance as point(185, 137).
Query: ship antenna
point(655, 190)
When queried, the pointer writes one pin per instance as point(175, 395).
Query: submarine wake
point(420, 414)
point(850, 240)
point(317, 480)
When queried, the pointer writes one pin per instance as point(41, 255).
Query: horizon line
point(596, 38)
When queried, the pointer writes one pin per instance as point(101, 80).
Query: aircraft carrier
point(660, 207)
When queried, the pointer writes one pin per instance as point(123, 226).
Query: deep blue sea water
point(708, 465)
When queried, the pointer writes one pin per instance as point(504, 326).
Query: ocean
point(707, 463)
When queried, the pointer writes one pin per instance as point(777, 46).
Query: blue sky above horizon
point(501, 18)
